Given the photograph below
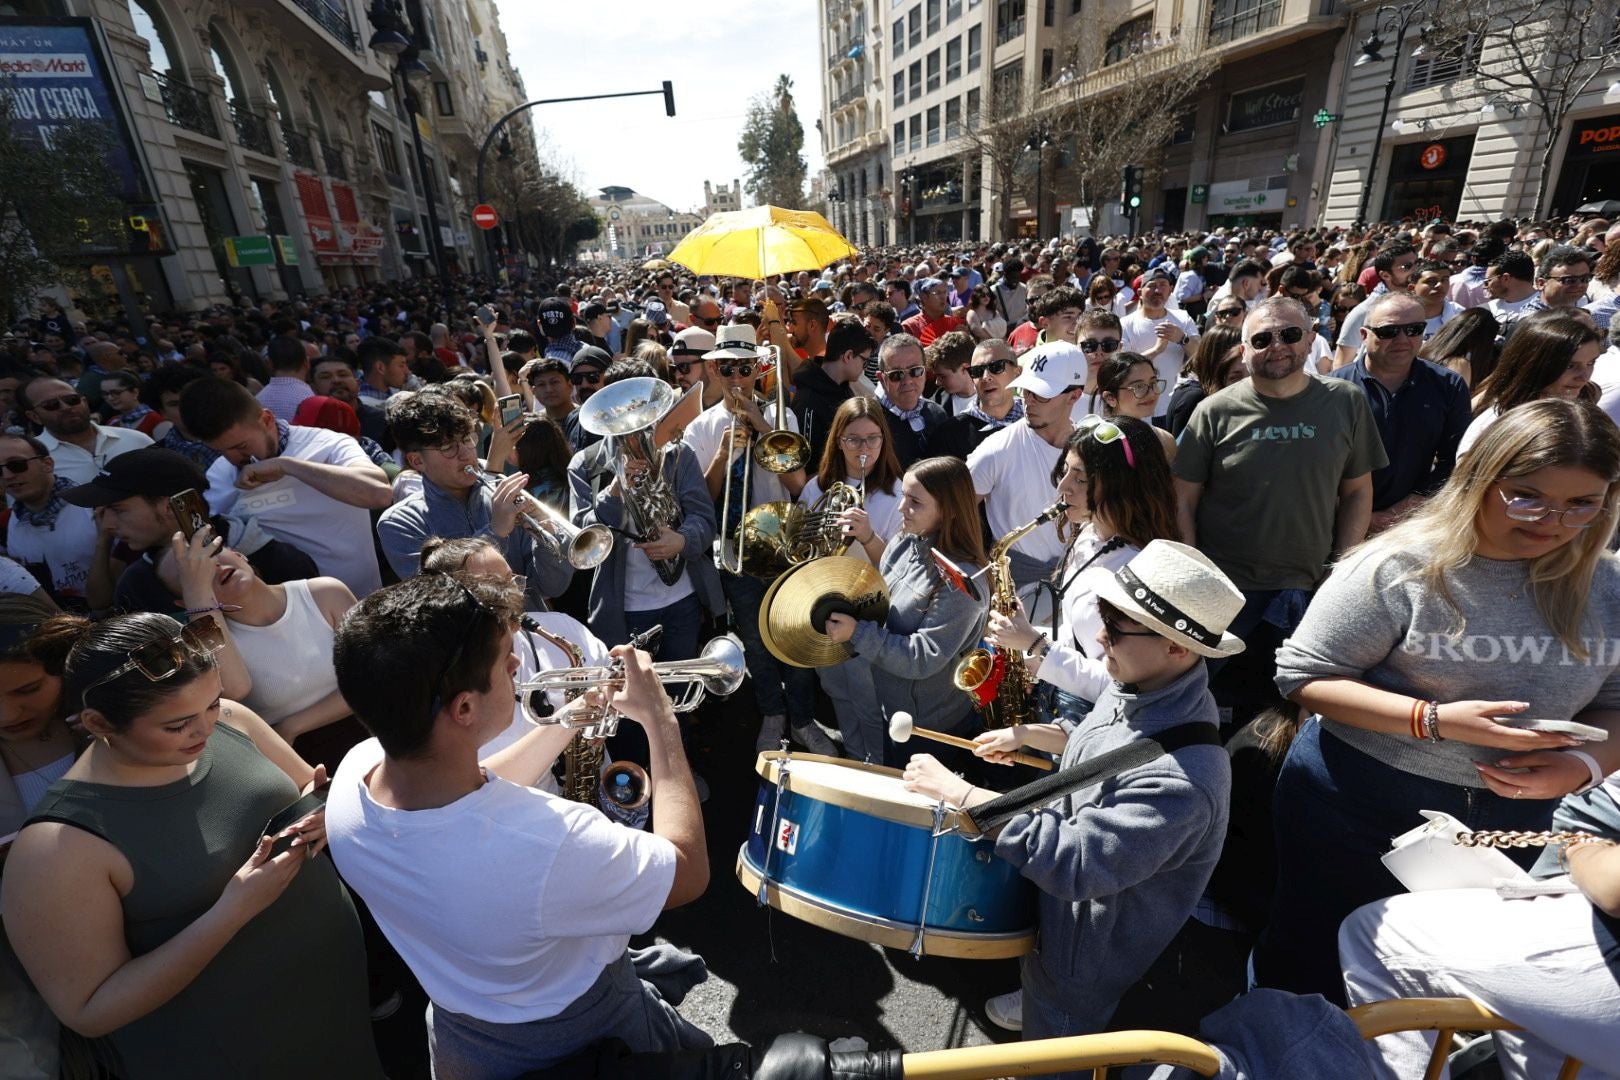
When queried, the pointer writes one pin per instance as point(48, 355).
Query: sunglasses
point(585, 378)
point(478, 608)
point(1385, 333)
point(158, 660)
point(994, 367)
point(681, 367)
point(1229, 313)
point(1290, 335)
point(68, 401)
point(1105, 432)
point(1113, 633)
point(1575, 517)
point(1106, 345)
point(18, 465)
point(901, 374)
point(744, 369)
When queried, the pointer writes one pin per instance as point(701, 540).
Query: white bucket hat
point(735, 342)
point(1176, 592)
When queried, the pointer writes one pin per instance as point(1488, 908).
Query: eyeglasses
point(681, 367)
point(1385, 333)
point(1143, 389)
point(1290, 335)
point(68, 401)
point(1106, 345)
point(994, 367)
point(861, 442)
point(585, 378)
point(1105, 432)
point(1229, 313)
point(1574, 517)
point(1571, 279)
point(744, 369)
point(901, 374)
point(453, 450)
point(158, 660)
point(18, 465)
point(1113, 633)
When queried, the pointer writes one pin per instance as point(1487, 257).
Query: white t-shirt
point(1012, 470)
point(704, 436)
point(1606, 373)
point(1477, 428)
point(882, 508)
point(336, 535)
point(1321, 359)
point(507, 903)
point(82, 466)
point(1506, 311)
point(1447, 313)
point(15, 580)
point(1137, 336)
point(66, 550)
point(1074, 662)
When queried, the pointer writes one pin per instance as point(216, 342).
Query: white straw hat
point(1176, 592)
point(734, 342)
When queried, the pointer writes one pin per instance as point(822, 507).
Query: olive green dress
point(286, 996)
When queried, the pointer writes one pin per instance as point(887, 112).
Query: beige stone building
point(723, 198)
point(637, 227)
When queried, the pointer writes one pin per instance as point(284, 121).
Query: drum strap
point(997, 812)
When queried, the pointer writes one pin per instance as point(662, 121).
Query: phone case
point(1583, 732)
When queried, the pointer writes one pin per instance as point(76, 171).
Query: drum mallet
point(901, 730)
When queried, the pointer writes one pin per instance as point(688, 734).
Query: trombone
point(779, 451)
point(584, 548)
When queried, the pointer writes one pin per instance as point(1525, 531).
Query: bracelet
point(1415, 721)
point(217, 607)
point(961, 804)
point(1039, 650)
point(1431, 721)
point(1591, 766)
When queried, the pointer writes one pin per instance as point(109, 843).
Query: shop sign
point(289, 250)
point(1265, 106)
point(1200, 193)
point(1245, 197)
point(1600, 136)
point(249, 251)
point(1433, 156)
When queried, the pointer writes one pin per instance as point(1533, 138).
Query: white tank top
point(291, 659)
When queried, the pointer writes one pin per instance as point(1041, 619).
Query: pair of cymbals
point(796, 606)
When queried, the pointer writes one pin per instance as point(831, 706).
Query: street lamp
point(1394, 19)
point(1038, 142)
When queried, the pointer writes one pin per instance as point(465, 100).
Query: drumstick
point(901, 729)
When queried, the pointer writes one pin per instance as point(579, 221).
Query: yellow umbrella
point(761, 241)
point(655, 264)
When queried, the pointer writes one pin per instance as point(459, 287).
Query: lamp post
point(1387, 19)
point(1038, 142)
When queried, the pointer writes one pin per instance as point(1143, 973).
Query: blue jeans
point(681, 622)
point(1334, 812)
point(779, 689)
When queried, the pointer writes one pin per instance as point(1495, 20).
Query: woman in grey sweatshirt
point(913, 653)
point(1496, 601)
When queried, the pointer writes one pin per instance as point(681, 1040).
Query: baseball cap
point(1159, 273)
point(151, 471)
point(694, 340)
point(592, 310)
point(1051, 367)
point(554, 314)
point(922, 285)
point(655, 312)
point(822, 286)
point(592, 356)
point(960, 271)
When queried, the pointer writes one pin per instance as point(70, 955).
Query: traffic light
point(669, 98)
point(1131, 191)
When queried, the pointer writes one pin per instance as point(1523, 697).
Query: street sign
point(1200, 193)
point(249, 251)
point(484, 216)
point(289, 251)
point(1323, 118)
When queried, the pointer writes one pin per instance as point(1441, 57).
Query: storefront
point(1591, 168)
point(1426, 179)
point(1254, 203)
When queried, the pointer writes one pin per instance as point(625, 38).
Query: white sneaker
point(770, 732)
point(810, 736)
point(1006, 1011)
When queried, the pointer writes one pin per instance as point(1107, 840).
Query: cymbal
point(765, 606)
point(797, 606)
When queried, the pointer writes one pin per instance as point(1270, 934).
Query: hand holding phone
point(511, 407)
point(485, 315)
point(190, 511)
point(311, 803)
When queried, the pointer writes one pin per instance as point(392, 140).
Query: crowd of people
point(1326, 517)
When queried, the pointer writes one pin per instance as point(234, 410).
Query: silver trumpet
point(719, 670)
point(584, 548)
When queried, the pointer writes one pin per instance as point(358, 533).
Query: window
point(975, 47)
point(953, 10)
point(916, 79)
point(916, 133)
point(914, 26)
point(442, 98)
point(1049, 13)
point(899, 138)
point(899, 88)
point(933, 125)
point(972, 109)
point(953, 118)
point(1009, 20)
point(1445, 63)
point(1128, 39)
point(953, 59)
point(1007, 87)
point(1074, 7)
point(387, 155)
point(933, 16)
point(899, 37)
point(1230, 20)
point(1185, 128)
point(1046, 67)
point(933, 71)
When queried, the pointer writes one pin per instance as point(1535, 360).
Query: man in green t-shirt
point(1274, 474)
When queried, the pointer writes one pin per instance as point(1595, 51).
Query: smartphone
point(190, 510)
point(485, 315)
point(511, 407)
point(1583, 732)
point(305, 806)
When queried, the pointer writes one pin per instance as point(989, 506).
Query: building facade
point(722, 199)
point(637, 226)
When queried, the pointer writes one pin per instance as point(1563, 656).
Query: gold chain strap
point(1507, 838)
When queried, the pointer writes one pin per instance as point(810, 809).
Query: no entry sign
point(484, 216)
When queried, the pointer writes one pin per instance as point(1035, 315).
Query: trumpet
point(719, 670)
point(584, 548)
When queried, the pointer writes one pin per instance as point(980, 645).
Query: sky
point(716, 63)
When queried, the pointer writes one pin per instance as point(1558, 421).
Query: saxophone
point(997, 680)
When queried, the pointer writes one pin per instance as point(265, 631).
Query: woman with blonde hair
point(1432, 660)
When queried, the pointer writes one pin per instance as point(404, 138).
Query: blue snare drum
point(844, 846)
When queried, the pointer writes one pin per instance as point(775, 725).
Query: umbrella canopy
point(1603, 208)
point(761, 241)
point(655, 264)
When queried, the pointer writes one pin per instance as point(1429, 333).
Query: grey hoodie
point(1120, 864)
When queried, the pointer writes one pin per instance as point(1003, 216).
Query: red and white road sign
point(484, 216)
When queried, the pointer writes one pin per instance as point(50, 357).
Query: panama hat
point(735, 342)
point(1175, 591)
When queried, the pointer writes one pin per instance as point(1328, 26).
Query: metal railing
point(332, 158)
point(332, 20)
point(252, 130)
point(300, 149)
point(1010, 30)
point(1240, 18)
point(187, 107)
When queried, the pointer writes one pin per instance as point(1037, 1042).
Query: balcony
point(252, 130)
point(332, 20)
point(1235, 19)
point(332, 158)
point(1011, 30)
point(300, 149)
point(187, 107)
point(324, 27)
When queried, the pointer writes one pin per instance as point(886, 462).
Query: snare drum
point(846, 847)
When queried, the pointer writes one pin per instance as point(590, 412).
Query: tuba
point(626, 413)
point(997, 680)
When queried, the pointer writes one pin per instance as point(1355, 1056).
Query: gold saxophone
point(996, 678)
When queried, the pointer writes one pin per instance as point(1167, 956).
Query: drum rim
point(768, 766)
point(886, 932)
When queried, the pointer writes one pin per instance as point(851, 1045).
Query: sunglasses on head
point(158, 660)
point(67, 401)
point(1385, 333)
point(994, 367)
point(1105, 432)
point(1290, 335)
point(585, 378)
point(1106, 345)
point(899, 374)
point(744, 369)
